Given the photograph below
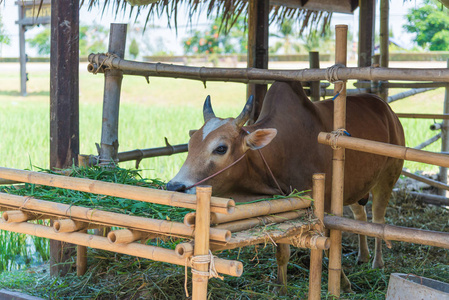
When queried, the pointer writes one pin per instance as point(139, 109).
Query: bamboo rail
point(220, 205)
point(316, 255)
point(429, 181)
point(338, 164)
point(426, 198)
point(384, 149)
point(228, 267)
point(428, 142)
point(107, 218)
point(68, 225)
point(408, 93)
point(423, 116)
point(246, 224)
point(256, 209)
point(401, 85)
point(389, 232)
point(246, 74)
point(125, 236)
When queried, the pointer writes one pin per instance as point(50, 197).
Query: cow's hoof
point(281, 290)
point(378, 263)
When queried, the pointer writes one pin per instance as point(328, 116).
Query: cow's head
point(216, 145)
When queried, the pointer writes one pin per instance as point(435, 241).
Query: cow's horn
point(208, 112)
point(246, 112)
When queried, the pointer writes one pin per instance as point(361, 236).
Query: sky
point(167, 39)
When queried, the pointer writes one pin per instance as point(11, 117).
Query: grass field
point(170, 108)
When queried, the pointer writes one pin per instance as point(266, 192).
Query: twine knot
point(198, 260)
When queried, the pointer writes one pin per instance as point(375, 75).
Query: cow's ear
point(192, 132)
point(260, 138)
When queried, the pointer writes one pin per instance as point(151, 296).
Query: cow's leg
point(282, 258)
point(360, 215)
point(381, 196)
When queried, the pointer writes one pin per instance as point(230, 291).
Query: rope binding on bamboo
point(332, 77)
point(335, 135)
point(201, 259)
point(106, 63)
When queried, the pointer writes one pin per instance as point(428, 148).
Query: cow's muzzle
point(176, 187)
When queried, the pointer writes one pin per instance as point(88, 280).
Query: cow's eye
point(221, 150)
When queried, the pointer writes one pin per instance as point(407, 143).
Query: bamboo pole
point(426, 198)
point(232, 74)
point(68, 225)
point(338, 164)
point(246, 224)
point(81, 258)
point(256, 209)
point(220, 205)
point(125, 236)
point(184, 250)
point(384, 35)
point(429, 181)
point(107, 218)
point(428, 142)
point(314, 63)
point(406, 94)
point(111, 98)
point(309, 241)
point(445, 135)
point(202, 228)
point(423, 116)
point(384, 149)
point(12, 216)
point(401, 85)
point(316, 255)
point(228, 267)
point(389, 232)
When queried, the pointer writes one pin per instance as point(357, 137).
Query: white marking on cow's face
point(212, 125)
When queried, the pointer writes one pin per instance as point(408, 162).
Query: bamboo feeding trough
point(220, 205)
point(104, 218)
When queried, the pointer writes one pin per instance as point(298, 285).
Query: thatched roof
point(307, 12)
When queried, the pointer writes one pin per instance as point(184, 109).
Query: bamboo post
point(375, 63)
point(111, 99)
point(316, 255)
point(338, 164)
point(81, 258)
point(384, 41)
point(445, 137)
point(314, 63)
point(202, 227)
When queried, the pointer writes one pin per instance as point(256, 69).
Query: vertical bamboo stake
point(384, 40)
point(445, 137)
point(202, 228)
point(81, 258)
point(314, 63)
point(111, 98)
point(316, 255)
point(375, 63)
point(338, 165)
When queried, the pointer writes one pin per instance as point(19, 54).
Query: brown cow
point(287, 131)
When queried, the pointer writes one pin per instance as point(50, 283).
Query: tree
point(217, 39)
point(4, 38)
point(133, 49)
point(430, 23)
point(286, 35)
point(41, 41)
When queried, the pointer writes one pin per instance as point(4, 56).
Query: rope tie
point(107, 61)
point(201, 260)
point(337, 133)
point(332, 77)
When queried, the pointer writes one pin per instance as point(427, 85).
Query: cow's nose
point(176, 187)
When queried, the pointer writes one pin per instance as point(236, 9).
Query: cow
point(286, 133)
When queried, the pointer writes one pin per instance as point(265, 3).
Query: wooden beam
point(64, 106)
point(366, 32)
point(258, 50)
